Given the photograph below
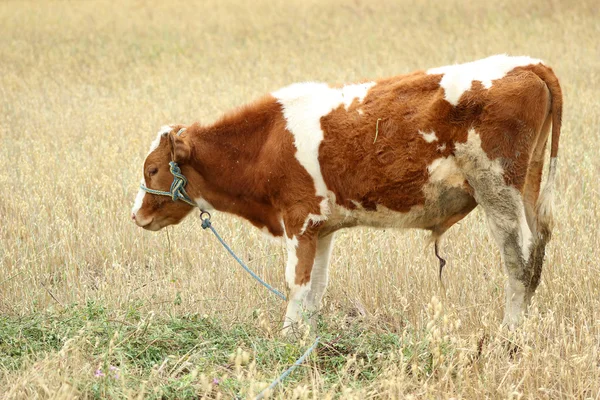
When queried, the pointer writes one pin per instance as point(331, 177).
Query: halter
point(177, 191)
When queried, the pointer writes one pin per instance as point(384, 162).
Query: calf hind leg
point(505, 211)
point(319, 276)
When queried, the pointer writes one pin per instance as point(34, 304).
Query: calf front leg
point(306, 276)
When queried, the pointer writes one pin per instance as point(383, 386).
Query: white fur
point(203, 204)
point(515, 303)
point(473, 146)
point(298, 293)
point(163, 129)
point(292, 261)
point(458, 78)
point(355, 91)
point(295, 306)
point(445, 169)
point(313, 218)
point(546, 200)
point(429, 137)
point(139, 199)
point(525, 236)
point(319, 275)
point(552, 174)
point(303, 106)
point(269, 236)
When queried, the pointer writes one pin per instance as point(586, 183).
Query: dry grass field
point(93, 307)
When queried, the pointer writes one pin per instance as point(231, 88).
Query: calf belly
point(444, 205)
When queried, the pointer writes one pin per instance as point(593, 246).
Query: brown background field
point(84, 86)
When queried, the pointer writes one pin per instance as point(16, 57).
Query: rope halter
point(177, 191)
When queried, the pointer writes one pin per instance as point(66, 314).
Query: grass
point(185, 355)
point(84, 86)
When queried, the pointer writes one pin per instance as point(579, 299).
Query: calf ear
point(180, 148)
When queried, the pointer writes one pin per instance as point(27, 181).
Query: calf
point(419, 150)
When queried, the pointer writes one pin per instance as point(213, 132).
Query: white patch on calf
point(292, 261)
point(203, 204)
point(355, 91)
point(545, 204)
point(445, 169)
point(525, 236)
point(298, 293)
point(515, 303)
point(458, 78)
point(266, 233)
point(295, 306)
point(312, 219)
point(163, 129)
point(319, 274)
point(303, 106)
point(474, 148)
point(139, 198)
point(429, 137)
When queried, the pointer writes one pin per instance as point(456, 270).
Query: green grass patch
point(183, 356)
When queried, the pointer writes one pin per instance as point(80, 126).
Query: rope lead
point(205, 217)
point(289, 370)
point(206, 224)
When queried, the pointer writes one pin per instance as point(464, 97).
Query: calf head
point(154, 211)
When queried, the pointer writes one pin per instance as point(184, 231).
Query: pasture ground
point(93, 307)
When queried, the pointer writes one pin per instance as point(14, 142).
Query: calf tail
point(545, 203)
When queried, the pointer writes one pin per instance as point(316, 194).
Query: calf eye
point(152, 171)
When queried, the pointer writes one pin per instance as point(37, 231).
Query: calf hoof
point(300, 330)
point(512, 322)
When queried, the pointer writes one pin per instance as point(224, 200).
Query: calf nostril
point(133, 216)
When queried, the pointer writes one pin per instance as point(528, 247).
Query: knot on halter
point(177, 191)
point(178, 186)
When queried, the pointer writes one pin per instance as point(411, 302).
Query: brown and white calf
point(413, 151)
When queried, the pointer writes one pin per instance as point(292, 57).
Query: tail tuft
point(545, 204)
